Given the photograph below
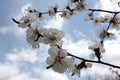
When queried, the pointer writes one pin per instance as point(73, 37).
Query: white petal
point(22, 25)
point(69, 62)
point(50, 60)
point(29, 40)
point(63, 53)
point(59, 68)
point(35, 45)
point(91, 47)
point(89, 65)
point(102, 50)
point(76, 71)
point(92, 56)
point(53, 51)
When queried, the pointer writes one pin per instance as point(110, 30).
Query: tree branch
point(111, 21)
point(99, 62)
point(99, 10)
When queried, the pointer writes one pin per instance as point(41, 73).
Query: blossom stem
point(51, 65)
point(99, 62)
point(15, 21)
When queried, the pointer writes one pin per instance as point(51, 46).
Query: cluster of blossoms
point(108, 74)
point(60, 60)
point(104, 34)
point(79, 6)
point(113, 20)
point(97, 49)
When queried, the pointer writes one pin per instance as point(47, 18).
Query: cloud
point(56, 22)
point(11, 72)
point(79, 48)
point(23, 55)
point(111, 55)
point(13, 69)
point(49, 74)
point(12, 29)
point(112, 47)
point(79, 34)
point(110, 5)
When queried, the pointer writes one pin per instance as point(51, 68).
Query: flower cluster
point(53, 10)
point(104, 34)
point(113, 20)
point(97, 48)
point(59, 59)
point(79, 6)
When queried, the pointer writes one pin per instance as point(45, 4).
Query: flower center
point(26, 21)
point(58, 58)
point(52, 37)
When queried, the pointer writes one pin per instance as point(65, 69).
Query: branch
point(99, 62)
point(48, 12)
point(111, 21)
point(99, 10)
point(17, 22)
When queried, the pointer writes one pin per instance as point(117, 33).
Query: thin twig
point(111, 21)
point(99, 10)
point(50, 65)
point(99, 62)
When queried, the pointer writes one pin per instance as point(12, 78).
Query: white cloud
point(10, 29)
point(112, 47)
point(23, 55)
point(7, 70)
point(49, 74)
point(110, 5)
point(79, 48)
point(56, 22)
point(10, 69)
point(12, 72)
point(79, 34)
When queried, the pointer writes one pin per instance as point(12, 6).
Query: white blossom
point(34, 36)
point(57, 58)
point(80, 6)
point(89, 65)
point(53, 10)
point(75, 71)
point(104, 33)
point(30, 9)
point(92, 56)
point(27, 19)
point(24, 22)
point(96, 44)
point(53, 36)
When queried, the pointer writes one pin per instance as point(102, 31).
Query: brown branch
point(99, 62)
point(17, 22)
point(48, 12)
point(50, 65)
point(111, 21)
point(99, 10)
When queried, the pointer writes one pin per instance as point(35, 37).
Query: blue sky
point(18, 61)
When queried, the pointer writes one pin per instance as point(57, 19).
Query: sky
point(19, 61)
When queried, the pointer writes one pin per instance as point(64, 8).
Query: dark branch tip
point(15, 21)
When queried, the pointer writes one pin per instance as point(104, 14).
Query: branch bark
point(99, 62)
